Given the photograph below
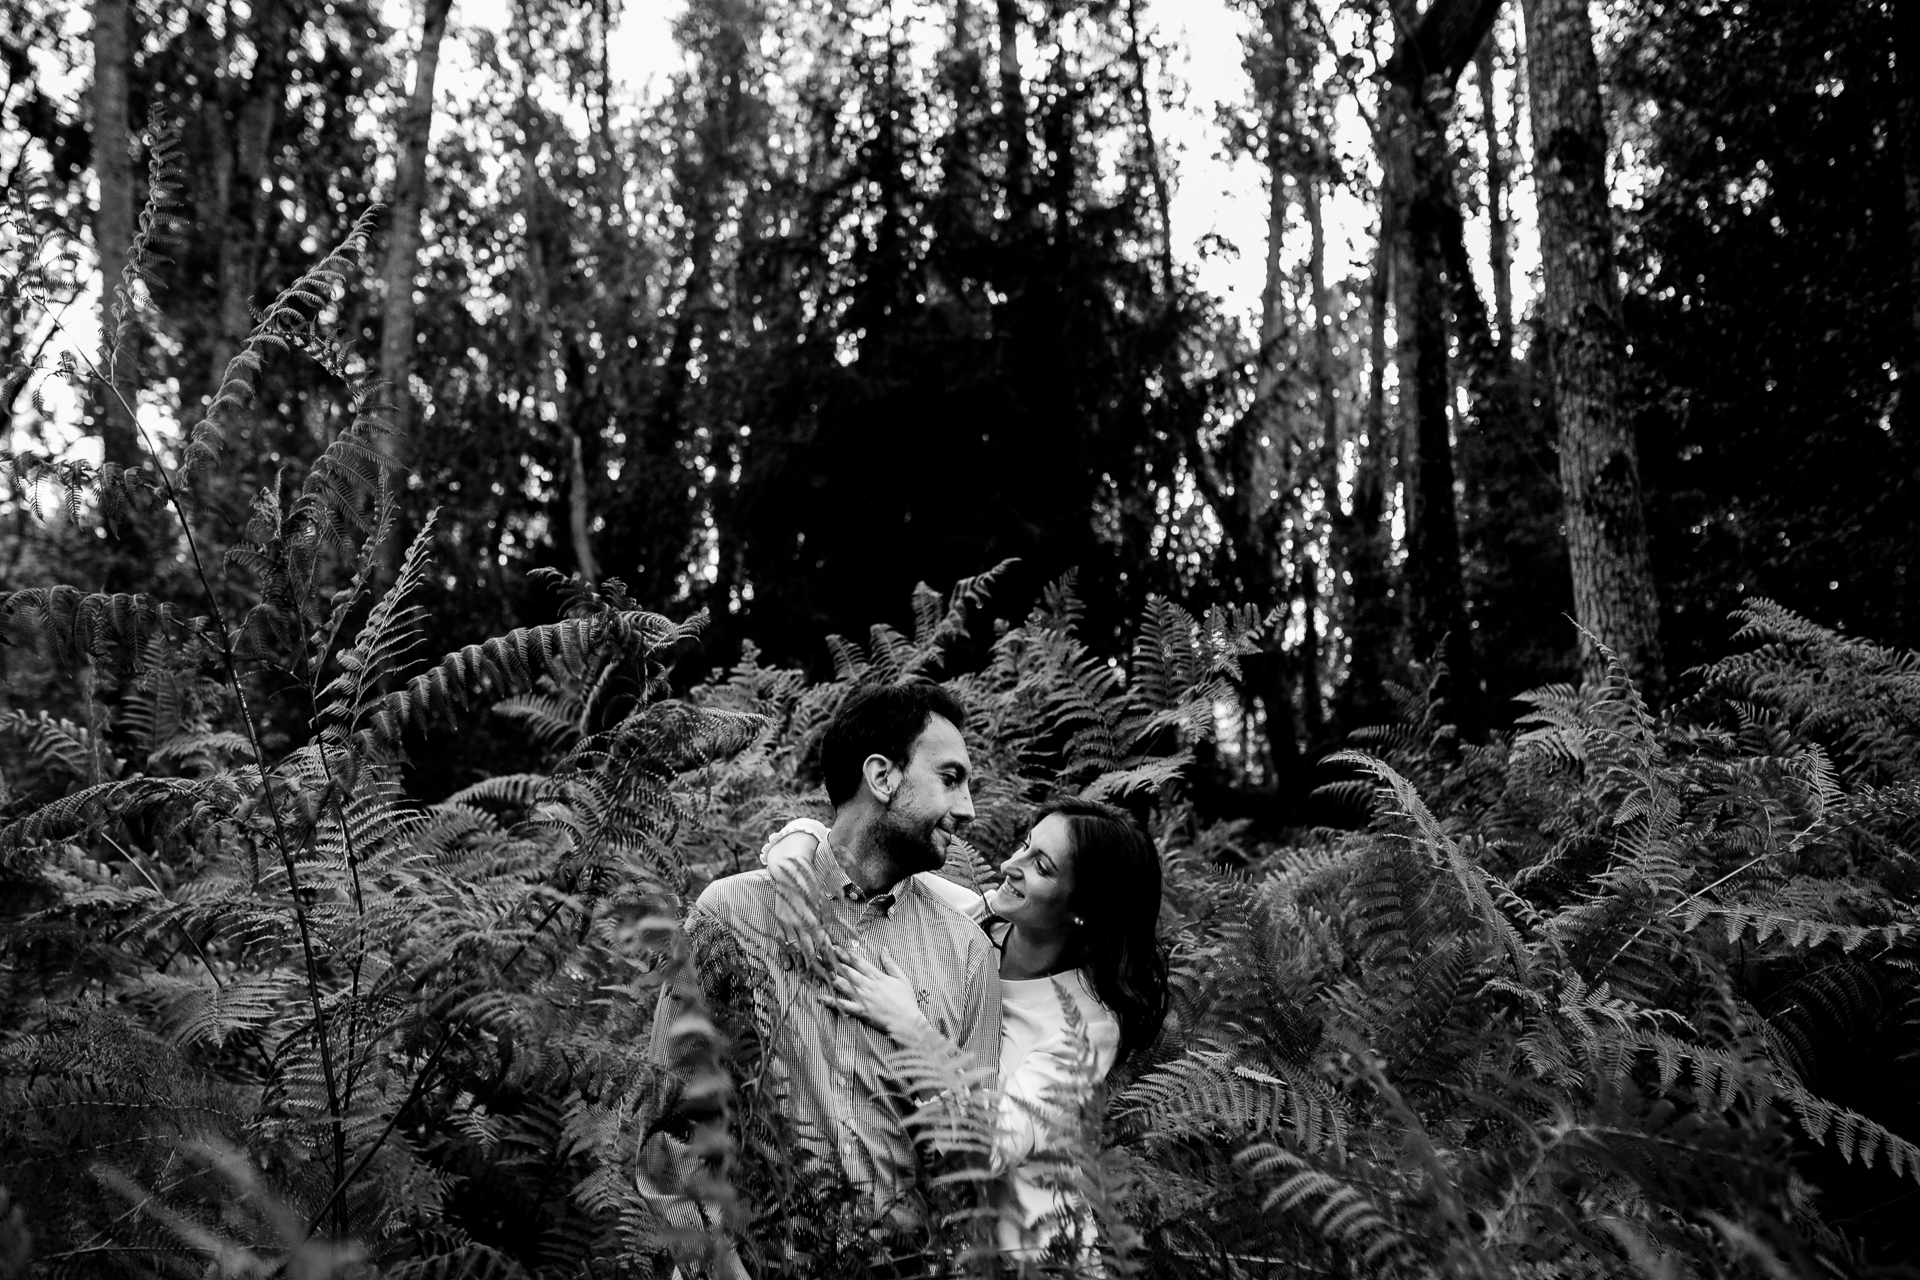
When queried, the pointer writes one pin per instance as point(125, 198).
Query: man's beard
point(911, 847)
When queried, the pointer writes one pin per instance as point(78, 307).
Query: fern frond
point(115, 630)
point(291, 310)
point(1474, 881)
point(501, 667)
point(392, 629)
point(1336, 1211)
point(551, 723)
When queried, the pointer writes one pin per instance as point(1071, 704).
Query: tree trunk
point(953, 217)
point(1613, 588)
point(1396, 174)
point(403, 239)
point(1326, 456)
point(653, 453)
point(1436, 598)
point(1273, 85)
point(547, 390)
point(1906, 69)
point(1499, 246)
point(1363, 540)
point(113, 225)
point(1013, 114)
point(1429, 56)
point(1487, 366)
point(1326, 377)
point(961, 76)
point(579, 505)
point(607, 165)
point(243, 157)
point(1269, 492)
point(1150, 152)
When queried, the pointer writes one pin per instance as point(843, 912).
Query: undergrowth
point(1563, 1005)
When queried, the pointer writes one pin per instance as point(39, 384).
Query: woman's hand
point(878, 994)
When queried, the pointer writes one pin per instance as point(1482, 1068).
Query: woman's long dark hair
point(1116, 890)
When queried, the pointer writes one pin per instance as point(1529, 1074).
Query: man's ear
point(881, 777)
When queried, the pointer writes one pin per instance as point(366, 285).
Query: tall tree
point(548, 250)
point(1013, 112)
point(1429, 55)
point(955, 215)
point(403, 236)
point(242, 119)
point(1763, 316)
point(1362, 539)
point(712, 161)
point(1613, 588)
point(1499, 231)
point(1326, 453)
point(1906, 74)
point(1264, 489)
point(113, 219)
point(1150, 150)
point(1436, 594)
point(1251, 474)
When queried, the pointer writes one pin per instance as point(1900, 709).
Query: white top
point(1048, 1068)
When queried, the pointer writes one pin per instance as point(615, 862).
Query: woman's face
point(1038, 886)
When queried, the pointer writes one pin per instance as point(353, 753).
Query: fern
point(1337, 1212)
point(1557, 1006)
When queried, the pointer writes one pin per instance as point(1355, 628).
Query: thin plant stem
point(420, 1081)
point(281, 837)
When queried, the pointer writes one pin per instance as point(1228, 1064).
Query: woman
point(1074, 918)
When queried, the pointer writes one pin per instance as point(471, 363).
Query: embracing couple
point(848, 945)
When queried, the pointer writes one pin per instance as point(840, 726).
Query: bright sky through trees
point(1219, 202)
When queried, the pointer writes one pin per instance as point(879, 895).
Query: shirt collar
point(831, 874)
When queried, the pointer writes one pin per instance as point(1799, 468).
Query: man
point(897, 772)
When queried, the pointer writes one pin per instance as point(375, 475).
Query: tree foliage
point(347, 817)
point(1568, 1003)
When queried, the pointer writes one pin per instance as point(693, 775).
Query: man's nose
point(964, 809)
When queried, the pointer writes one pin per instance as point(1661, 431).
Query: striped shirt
point(823, 1066)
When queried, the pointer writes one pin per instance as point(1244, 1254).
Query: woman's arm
point(792, 843)
point(962, 899)
point(1040, 1100)
point(788, 857)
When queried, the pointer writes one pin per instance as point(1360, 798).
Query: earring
point(1079, 923)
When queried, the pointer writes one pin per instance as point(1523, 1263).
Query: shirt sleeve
point(1041, 1099)
point(978, 1037)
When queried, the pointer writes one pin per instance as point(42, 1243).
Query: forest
point(449, 491)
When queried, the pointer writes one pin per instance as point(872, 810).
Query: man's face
point(933, 797)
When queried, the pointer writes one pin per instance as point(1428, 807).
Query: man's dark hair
point(883, 721)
